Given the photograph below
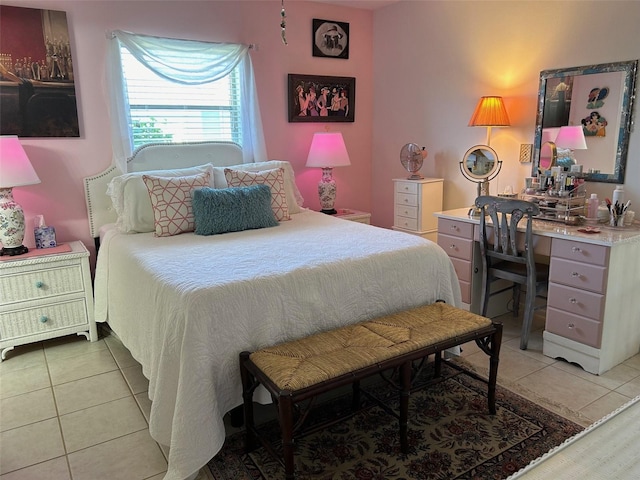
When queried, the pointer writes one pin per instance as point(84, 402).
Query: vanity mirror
point(598, 97)
point(480, 164)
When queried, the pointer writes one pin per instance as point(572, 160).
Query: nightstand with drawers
point(45, 295)
point(354, 215)
point(415, 202)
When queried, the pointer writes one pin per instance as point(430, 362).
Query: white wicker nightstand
point(45, 296)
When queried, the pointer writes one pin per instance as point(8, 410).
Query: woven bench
point(302, 369)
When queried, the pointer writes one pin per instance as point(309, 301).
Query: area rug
point(451, 436)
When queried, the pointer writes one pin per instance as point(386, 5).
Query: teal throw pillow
point(232, 209)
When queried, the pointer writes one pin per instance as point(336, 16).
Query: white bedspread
point(186, 306)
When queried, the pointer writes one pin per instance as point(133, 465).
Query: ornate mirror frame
point(619, 126)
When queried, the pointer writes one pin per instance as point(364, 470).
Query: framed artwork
point(37, 88)
point(315, 98)
point(330, 39)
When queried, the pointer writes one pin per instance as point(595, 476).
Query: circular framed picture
point(330, 39)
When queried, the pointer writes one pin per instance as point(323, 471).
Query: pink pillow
point(272, 178)
point(171, 202)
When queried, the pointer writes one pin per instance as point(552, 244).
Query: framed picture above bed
point(315, 98)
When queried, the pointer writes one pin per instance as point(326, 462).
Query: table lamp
point(490, 112)
point(15, 171)
point(327, 151)
point(569, 138)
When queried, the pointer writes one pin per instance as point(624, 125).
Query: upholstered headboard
point(165, 156)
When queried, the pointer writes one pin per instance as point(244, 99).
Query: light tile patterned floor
point(76, 410)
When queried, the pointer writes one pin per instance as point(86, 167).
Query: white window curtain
point(215, 60)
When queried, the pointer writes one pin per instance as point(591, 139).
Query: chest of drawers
point(45, 296)
point(415, 202)
point(576, 298)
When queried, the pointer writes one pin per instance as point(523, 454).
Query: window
point(172, 90)
point(162, 110)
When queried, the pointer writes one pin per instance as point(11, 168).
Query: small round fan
point(412, 158)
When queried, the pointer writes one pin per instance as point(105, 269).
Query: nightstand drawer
point(406, 199)
point(39, 283)
point(406, 211)
point(407, 187)
point(45, 318)
point(406, 223)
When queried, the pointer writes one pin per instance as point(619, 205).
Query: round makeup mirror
point(480, 164)
point(548, 156)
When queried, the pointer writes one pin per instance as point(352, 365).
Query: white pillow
point(294, 199)
point(131, 201)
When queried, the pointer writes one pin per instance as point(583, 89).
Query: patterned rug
point(451, 436)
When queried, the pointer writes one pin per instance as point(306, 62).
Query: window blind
point(163, 111)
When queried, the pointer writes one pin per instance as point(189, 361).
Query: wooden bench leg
point(405, 376)
point(494, 358)
point(248, 386)
point(437, 365)
point(355, 399)
point(285, 412)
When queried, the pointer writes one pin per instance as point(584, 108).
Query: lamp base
point(12, 224)
point(11, 251)
point(327, 192)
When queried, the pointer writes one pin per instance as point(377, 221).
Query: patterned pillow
point(171, 202)
point(272, 178)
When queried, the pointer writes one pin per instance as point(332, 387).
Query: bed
point(186, 304)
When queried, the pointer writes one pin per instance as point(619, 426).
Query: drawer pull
point(406, 212)
point(452, 246)
point(571, 326)
point(573, 300)
point(575, 274)
point(39, 284)
point(454, 227)
point(44, 319)
point(406, 200)
point(406, 188)
point(576, 249)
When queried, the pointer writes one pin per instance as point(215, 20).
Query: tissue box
point(45, 237)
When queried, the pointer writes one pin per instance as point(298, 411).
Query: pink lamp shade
point(15, 171)
point(15, 167)
point(327, 151)
point(571, 137)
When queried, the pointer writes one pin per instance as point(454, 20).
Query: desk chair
point(504, 259)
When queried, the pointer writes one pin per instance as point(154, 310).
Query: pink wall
point(62, 163)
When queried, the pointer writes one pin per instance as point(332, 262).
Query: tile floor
point(76, 410)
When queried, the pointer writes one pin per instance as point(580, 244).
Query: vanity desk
point(593, 305)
